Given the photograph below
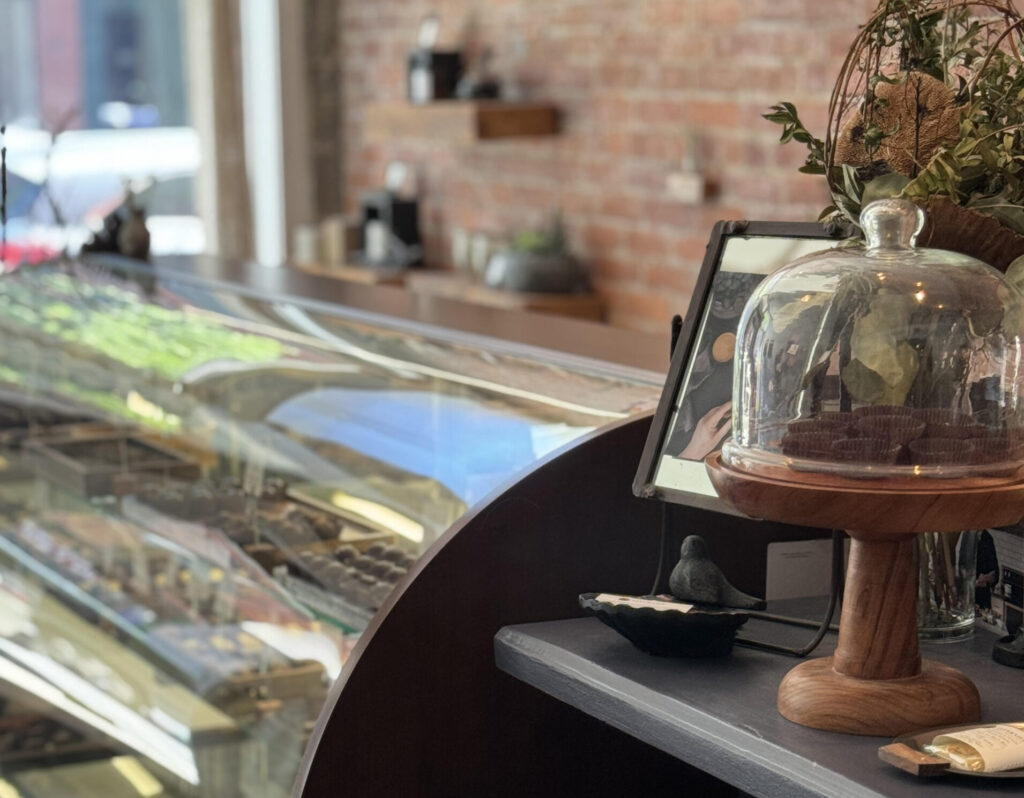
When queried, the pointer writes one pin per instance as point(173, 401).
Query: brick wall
point(631, 77)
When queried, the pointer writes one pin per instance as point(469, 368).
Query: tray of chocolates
point(104, 463)
point(193, 501)
point(237, 672)
point(270, 527)
point(270, 518)
point(81, 652)
point(346, 583)
point(321, 561)
point(23, 416)
point(162, 602)
point(340, 569)
point(27, 737)
point(931, 440)
point(23, 421)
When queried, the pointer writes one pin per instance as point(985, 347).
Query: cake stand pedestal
point(876, 682)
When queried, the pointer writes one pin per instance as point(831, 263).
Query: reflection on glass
point(96, 104)
point(205, 497)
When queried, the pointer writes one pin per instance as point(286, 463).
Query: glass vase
point(945, 584)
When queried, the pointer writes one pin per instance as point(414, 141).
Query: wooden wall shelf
point(453, 285)
point(365, 275)
point(460, 122)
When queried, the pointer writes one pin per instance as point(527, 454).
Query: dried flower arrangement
point(929, 106)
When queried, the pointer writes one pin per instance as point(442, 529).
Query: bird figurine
point(696, 578)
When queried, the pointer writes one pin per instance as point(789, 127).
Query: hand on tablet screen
point(709, 433)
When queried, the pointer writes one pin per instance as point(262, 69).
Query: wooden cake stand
point(876, 682)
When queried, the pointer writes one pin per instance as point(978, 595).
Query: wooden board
point(453, 285)
point(364, 275)
point(460, 122)
point(876, 683)
point(871, 507)
point(916, 762)
point(814, 694)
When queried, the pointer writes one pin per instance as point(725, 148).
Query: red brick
point(716, 113)
point(630, 79)
point(673, 278)
point(665, 12)
point(601, 237)
point(667, 211)
point(620, 205)
point(642, 243)
point(692, 248)
point(660, 112)
point(617, 141)
point(578, 203)
point(717, 12)
point(713, 213)
point(604, 268)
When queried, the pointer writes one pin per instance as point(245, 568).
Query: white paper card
point(1001, 746)
point(636, 601)
point(797, 569)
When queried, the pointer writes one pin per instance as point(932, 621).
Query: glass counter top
point(205, 495)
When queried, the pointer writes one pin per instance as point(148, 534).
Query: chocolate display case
point(206, 494)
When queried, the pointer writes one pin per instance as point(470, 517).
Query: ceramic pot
point(532, 272)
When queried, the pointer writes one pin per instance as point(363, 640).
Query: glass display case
point(206, 493)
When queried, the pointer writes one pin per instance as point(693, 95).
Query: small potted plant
point(538, 261)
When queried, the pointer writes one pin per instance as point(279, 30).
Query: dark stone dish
point(701, 632)
point(1009, 650)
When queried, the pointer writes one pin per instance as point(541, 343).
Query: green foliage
point(112, 322)
point(550, 241)
point(884, 365)
point(793, 129)
point(884, 186)
point(979, 58)
point(530, 241)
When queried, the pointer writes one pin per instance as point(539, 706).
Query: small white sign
point(798, 569)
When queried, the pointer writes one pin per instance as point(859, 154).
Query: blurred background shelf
point(452, 285)
point(364, 275)
point(461, 122)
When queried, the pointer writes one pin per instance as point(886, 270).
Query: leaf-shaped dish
point(668, 628)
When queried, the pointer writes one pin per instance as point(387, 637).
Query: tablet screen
point(694, 416)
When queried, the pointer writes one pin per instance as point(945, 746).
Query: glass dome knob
point(891, 224)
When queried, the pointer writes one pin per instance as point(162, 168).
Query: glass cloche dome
point(884, 361)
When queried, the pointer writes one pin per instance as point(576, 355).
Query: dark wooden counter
point(719, 714)
point(420, 709)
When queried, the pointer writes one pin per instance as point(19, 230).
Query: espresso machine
point(390, 224)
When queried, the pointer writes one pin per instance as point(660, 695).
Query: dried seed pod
point(917, 115)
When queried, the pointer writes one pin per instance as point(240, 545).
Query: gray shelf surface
point(719, 714)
